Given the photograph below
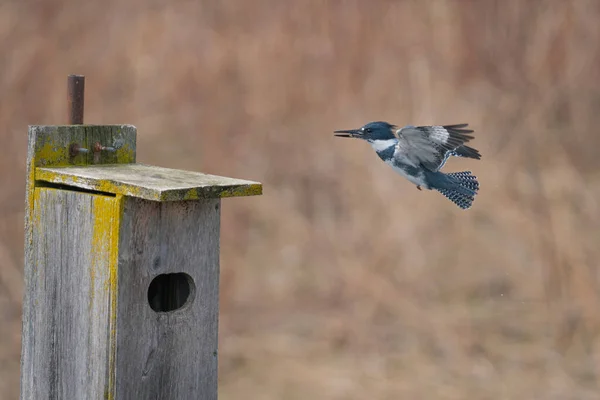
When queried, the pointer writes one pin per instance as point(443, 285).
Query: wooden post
point(121, 270)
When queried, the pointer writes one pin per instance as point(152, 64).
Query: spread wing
point(431, 146)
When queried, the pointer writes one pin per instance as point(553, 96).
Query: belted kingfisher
point(419, 152)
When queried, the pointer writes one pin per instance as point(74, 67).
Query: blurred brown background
point(343, 281)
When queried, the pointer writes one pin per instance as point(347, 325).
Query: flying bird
point(419, 152)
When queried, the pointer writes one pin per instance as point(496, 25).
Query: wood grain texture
point(47, 240)
point(66, 313)
point(149, 182)
point(51, 144)
point(168, 355)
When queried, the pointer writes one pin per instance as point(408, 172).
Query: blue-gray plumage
point(419, 152)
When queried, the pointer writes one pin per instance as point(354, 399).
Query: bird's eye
point(367, 130)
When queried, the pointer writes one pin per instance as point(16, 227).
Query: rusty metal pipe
point(75, 98)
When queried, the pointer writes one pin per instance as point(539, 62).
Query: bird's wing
point(467, 152)
point(461, 151)
point(432, 145)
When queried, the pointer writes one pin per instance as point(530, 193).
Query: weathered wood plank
point(168, 355)
point(47, 240)
point(69, 282)
point(52, 145)
point(149, 182)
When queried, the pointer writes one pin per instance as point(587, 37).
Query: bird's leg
point(419, 187)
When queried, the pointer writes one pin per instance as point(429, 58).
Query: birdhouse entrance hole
point(170, 292)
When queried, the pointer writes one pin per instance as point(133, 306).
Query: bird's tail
point(461, 188)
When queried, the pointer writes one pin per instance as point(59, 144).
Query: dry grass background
point(343, 281)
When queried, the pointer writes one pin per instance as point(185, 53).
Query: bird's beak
point(351, 133)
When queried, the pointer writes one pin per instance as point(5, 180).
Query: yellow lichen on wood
point(102, 220)
point(50, 153)
point(125, 154)
point(191, 194)
point(117, 215)
point(107, 214)
point(250, 190)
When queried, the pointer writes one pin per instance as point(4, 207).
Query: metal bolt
point(75, 149)
point(98, 148)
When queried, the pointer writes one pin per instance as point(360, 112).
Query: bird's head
point(371, 132)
